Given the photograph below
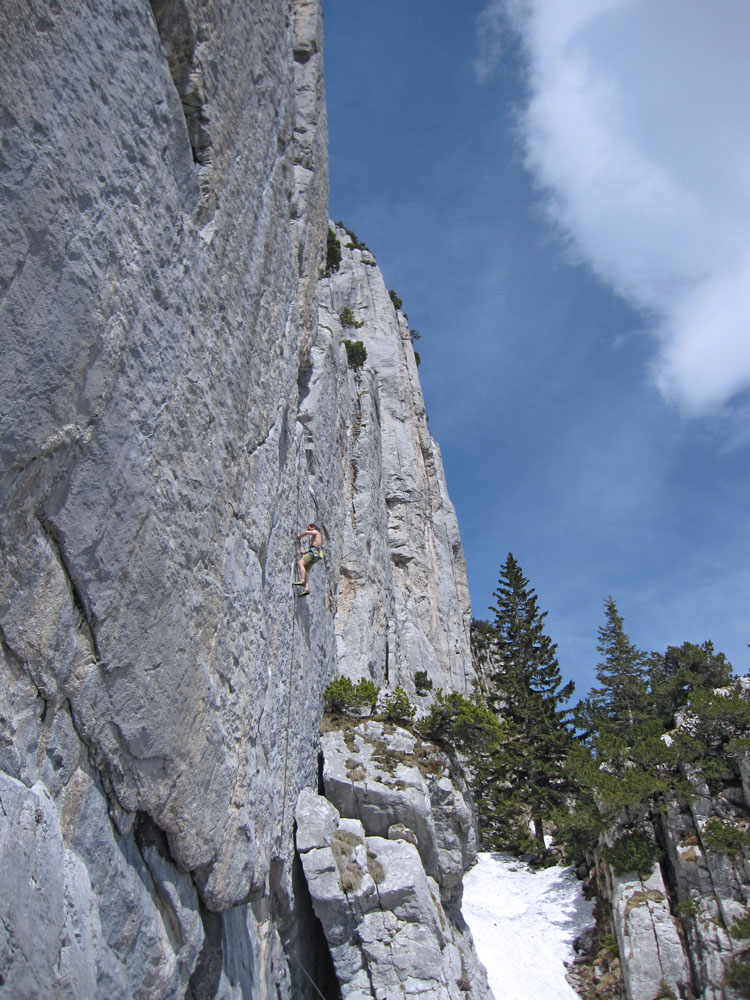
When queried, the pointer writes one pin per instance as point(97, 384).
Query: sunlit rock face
point(674, 923)
point(176, 403)
point(384, 856)
point(403, 595)
point(165, 204)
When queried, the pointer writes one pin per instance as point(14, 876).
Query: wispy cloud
point(635, 129)
point(492, 30)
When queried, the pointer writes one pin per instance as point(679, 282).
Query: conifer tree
point(623, 767)
point(625, 762)
point(622, 700)
point(681, 670)
point(525, 688)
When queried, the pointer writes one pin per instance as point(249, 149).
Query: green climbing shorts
point(313, 555)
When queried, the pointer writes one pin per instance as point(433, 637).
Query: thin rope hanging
point(291, 673)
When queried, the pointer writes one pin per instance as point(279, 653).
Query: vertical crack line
point(179, 39)
point(52, 535)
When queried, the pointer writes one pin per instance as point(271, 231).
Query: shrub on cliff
point(347, 318)
point(395, 298)
point(738, 971)
point(422, 682)
point(741, 926)
point(665, 992)
point(398, 708)
point(738, 975)
point(333, 253)
point(356, 354)
point(726, 837)
point(469, 726)
point(342, 696)
point(355, 243)
point(633, 852)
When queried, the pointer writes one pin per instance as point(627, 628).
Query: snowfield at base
point(524, 924)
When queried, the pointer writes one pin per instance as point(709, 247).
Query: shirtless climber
point(307, 559)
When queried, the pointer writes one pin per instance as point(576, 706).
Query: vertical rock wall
point(164, 210)
point(403, 594)
point(385, 845)
point(175, 403)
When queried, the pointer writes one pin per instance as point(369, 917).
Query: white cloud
point(635, 128)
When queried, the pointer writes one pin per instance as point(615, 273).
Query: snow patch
point(524, 924)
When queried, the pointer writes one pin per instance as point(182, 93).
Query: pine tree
point(624, 762)
point(676, 674)
point(622, 700)
point(624, 768)
point(525, 688)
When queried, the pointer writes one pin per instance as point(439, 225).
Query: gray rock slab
point(651, 951)
point(49, 914)
point(372, 772)
point(382, 914)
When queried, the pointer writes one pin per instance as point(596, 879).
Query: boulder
point(389, 935)
point(388, 778)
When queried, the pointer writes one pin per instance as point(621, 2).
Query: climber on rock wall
point(307, 559)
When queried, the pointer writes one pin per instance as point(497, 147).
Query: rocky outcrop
point(403, 595)
point(176, 402)
point(650, 948)
point(674, 923)
point(392, 781)
point(384, 853)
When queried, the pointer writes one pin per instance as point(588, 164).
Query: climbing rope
point(291, 674)
point(312, 981)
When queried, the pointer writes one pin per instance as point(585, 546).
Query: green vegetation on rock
point(333, 253)
point(422, 683)
point(347, 318)
point(398, 708)
point(342, 696)
point(356, 353)
point(633, 852)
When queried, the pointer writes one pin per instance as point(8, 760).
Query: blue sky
point(560, 195)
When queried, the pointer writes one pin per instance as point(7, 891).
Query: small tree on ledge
point(355, 353)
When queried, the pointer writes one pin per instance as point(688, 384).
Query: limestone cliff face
point(403, 595)
point(164, 180)
point(172, 411)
